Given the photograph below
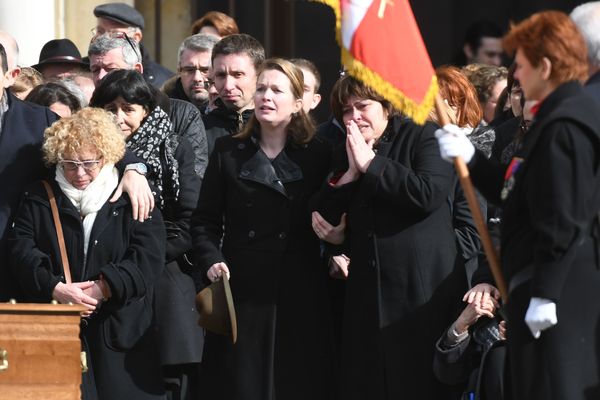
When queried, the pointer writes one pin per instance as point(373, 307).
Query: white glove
point(453, 143)
point(540, 315)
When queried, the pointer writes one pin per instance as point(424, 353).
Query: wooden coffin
point(40, 352)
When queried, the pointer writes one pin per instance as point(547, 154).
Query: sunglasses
point(122, 36)
point(72, 165)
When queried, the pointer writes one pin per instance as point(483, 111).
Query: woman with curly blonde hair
point(113, 259)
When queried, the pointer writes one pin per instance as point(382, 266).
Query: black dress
point(259, 209)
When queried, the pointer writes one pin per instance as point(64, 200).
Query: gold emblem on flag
point(382, 5)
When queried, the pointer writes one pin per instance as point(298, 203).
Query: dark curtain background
point(298, 28)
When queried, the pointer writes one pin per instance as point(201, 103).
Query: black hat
point(60, 51)
point(121, 13)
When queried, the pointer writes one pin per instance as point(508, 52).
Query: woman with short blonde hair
point(113, 260)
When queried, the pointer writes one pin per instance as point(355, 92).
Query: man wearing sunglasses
point(119, 17)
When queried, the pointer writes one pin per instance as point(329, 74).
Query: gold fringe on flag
point(418, 112)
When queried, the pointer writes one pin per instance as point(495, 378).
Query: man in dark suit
point(21, 133)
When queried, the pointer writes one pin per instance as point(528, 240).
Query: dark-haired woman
point(56, 97)
point(254, 200)
point(394, 188)
point(170, 161)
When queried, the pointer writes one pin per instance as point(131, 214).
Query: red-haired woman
point(551, 201)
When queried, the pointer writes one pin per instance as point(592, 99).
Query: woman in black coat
point(395, 190)
point(170, 160)
point(550, 200)
point(114, 260)
point(253, 223)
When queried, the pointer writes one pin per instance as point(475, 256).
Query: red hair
point(223, 23)
point(460, 94)
point(553, 35)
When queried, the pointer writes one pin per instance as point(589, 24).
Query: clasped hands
point(359, 151)
point(540, 315)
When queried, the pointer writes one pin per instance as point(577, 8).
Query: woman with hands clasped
point(394, 188)
point(550, 206)
point(253, 224)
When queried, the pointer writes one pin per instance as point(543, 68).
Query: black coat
point(592, 87)
point(223, 122)
point(130, 256)
point(401, 290)
point(21, 163)
point(549, 228)
point(154, 73)
point(179, 337)
point(187, 123)
point(260, 211)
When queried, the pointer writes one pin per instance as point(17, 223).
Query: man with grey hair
point(587, 18)
point(193, 66)
point(120, 17)
point(112, 51)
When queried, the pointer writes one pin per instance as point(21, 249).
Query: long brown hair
point(301, 128)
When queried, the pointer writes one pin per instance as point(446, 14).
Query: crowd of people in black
point(354, 262)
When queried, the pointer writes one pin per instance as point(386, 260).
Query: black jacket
point(259, 209)
point(130, 256)
point(592, 87)
point(223, 122)
point(154, 73)
point(20, 164)
point(187, 123)
point(174, 89)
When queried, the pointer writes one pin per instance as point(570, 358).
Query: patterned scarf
point(147, 142)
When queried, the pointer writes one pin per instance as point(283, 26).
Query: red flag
point(382, 46)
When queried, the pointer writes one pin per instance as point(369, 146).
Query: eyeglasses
point(120, 35)
point(191, 70)
point(73, 165)
point(208, 83)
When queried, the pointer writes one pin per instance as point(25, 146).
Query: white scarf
point(91, 199)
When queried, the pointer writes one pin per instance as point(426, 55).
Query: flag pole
point(463, 175)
